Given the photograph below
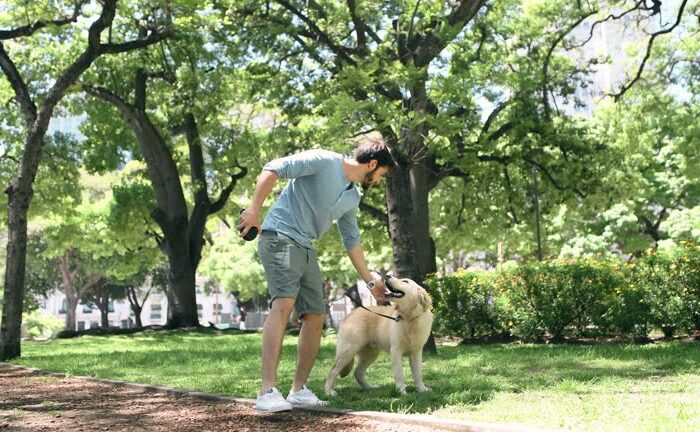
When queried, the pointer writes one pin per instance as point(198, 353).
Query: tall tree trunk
point(13, 300)
point(37, 122)
point(400, 206)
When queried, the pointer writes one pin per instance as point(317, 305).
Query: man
point(321, 190)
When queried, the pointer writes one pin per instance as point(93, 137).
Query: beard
point(367, 181)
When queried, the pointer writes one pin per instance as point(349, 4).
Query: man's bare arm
point(357, 257)
point(250, 217)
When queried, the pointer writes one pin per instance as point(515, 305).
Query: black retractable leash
point(354, 296)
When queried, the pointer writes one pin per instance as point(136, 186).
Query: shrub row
point(573, 298)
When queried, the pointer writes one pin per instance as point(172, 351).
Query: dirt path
point(33, 402)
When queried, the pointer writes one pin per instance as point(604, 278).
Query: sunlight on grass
point(606, 387)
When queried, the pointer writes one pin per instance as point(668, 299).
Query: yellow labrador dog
point(365, 334)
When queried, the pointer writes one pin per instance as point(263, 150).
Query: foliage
point(234, 264)
point(562, 298)
point(40, 325)
point(467, 305)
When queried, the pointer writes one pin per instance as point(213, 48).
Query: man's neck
point(353, 170)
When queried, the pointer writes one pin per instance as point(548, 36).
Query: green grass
point(604, 387)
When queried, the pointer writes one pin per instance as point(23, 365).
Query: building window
point(94, 324)
point(87, 308)
point(81, 325)
point(110, 306)
point(199, 311)
point(156, 311)
point(64, 306)
point(218, 308)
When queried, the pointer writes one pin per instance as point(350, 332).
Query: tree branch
point(548, 59)
point(223, 197)
point(623, 90)
point(608, 18)
point(437, 34)
point(376, 213)
point(318, 33)
point(359, 27)
point(18, 86)
point(30, 29)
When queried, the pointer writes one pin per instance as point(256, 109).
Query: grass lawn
point(604, 387)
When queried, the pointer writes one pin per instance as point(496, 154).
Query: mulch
point(31, 402)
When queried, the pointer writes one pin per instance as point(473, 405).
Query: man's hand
point(248, 219)
point(379, 289)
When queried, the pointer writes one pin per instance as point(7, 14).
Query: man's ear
point(372, 164)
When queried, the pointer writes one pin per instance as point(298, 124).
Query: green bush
point(563, 298)
point(662, 284)
point(631, 313)
point(579, 298)
point(42, 326)
point(685, 278)
point(467, 305)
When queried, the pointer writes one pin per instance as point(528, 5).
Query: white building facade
point(220, 309)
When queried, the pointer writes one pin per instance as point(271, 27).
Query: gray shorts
point(292, 272)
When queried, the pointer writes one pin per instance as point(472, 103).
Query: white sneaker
point(305, 397)
point(272, 401)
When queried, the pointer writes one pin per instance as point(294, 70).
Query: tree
point(37, 110)
point(461, 92)
point(101, 295)
point(178, 109)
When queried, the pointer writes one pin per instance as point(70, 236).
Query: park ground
point(582, 387)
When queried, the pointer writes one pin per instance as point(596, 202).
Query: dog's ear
point(425, 300)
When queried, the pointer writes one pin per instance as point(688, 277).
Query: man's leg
point(307, 347)
point(273, 333)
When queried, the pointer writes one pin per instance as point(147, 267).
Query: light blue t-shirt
point(317, 195)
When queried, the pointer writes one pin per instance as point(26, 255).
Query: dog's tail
point(348, 367)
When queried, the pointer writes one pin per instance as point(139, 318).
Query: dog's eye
point(405, 280)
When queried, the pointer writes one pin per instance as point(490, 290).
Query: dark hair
point(374, 148)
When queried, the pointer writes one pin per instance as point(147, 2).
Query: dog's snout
point(387, 277)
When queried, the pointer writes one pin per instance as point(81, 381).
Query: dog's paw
point(423, 389)
point(402, 391)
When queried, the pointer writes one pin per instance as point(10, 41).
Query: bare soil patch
point(31, 401)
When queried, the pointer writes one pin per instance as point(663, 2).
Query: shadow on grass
point(468, 375)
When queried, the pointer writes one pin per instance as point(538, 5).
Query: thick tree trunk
point(400, 206)
point(13, 300)
point(182, 307)
point(71, 307)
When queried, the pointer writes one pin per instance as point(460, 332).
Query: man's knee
point(282, 305)
point(313, 318)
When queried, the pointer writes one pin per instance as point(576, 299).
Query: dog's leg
point(367, 357)
point(396, 358)
point(416, 360)
point(342, 358)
